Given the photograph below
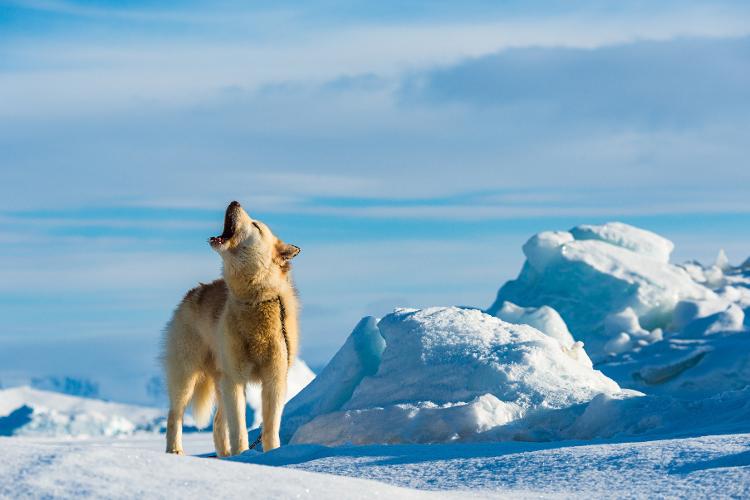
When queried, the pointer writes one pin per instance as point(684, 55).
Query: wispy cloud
point(77, 76)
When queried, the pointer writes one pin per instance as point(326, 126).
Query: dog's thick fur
point(229, 332)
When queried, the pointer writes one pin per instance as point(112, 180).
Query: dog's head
point(249, 249)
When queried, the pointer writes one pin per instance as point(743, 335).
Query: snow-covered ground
point(135, 467)
point(602, 370)
point(138, 468)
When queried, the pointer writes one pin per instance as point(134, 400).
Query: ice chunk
point(624, 321)
point(695, 270)
point(587, 280)
point(714, 277)
point(544, 318)
point(740, 295)
point(447, 374)
point(730, 319)
point(688, 368)
point(621, 342)
point(687, 311)
point(623, 235)
point(722, 261)
point(333, 387)
point(543, 248)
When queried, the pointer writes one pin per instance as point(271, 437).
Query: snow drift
point(440, 374)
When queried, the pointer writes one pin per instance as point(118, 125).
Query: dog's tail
point(203, 401)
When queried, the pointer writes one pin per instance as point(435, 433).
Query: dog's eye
point(257, 227)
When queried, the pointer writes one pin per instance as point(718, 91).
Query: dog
point(239, 329)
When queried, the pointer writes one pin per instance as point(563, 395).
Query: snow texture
point(622, 235)
point(136, 467)
point(544, 318)
point(140, 469)
point(445, 374)
point(698, 467)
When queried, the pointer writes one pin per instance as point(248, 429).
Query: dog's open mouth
point(230, 225)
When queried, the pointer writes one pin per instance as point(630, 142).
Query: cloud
point(86, 73)
point(677, 83)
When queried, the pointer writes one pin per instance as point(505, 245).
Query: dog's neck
point(262, 287)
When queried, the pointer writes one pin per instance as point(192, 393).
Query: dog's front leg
point(273, 394)
point(233, 398)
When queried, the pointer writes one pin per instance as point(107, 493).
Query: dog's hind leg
point(180, 386)
point(221, 432)
point(273, 394)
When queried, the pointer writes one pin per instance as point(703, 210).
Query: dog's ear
point(285, 251)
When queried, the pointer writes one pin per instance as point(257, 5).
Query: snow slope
point(27, 411)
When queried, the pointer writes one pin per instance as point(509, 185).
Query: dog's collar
point(254, 302)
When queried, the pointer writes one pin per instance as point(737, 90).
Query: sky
point(409, 149)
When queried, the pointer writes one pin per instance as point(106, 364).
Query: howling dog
point(239, 329)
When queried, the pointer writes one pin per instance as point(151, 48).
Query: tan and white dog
point(239, 329)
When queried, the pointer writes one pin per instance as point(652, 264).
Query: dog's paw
point(175, 452)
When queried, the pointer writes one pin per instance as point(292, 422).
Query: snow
point(140, 469)
point(638, 240)
point(136, 467)
point(358, 357)
point(27, 411)
point(687, 311)
point(544, 318)
point(445, 374)
point(699, 467)
point(592, 272)
point(542, 248)
point(503, 402)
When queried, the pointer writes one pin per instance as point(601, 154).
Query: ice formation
point(438, 375)
point(544, 318)
point(674, 337)
point(593, 272)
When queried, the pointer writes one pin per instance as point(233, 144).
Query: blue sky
point(409, 148)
